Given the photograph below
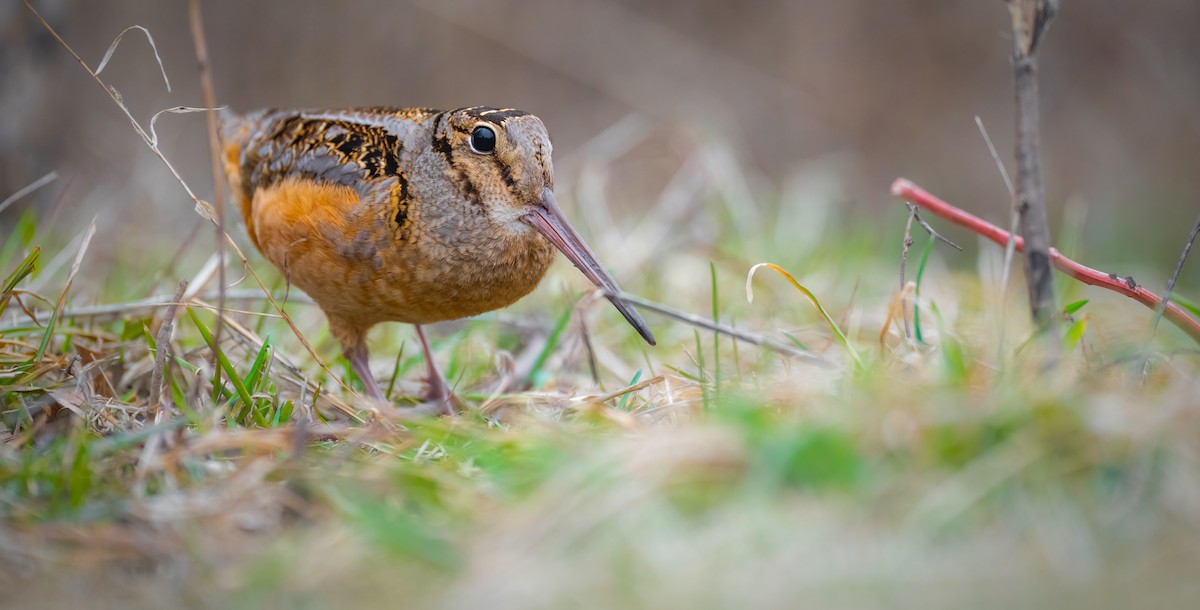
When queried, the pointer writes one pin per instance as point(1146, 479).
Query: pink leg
point(439, 388)
point(359, 362)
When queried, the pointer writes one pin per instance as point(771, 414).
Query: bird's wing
point(353, 154)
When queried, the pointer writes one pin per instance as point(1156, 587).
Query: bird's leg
point(359, 362)
point(439, 389)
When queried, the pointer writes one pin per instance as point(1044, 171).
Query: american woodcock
point(404, 214)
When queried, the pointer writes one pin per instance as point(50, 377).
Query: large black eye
point(483, 140)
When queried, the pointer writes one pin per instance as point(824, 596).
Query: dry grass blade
point(62, 301)
point(116, 98)
point(897, 308)
point(112, 48)
point(172, 110)
point(31, 187)
point(83, 247)
point(162, 341)
point(995, 156)
point(812, 298)
point(113, 310)
point(637, 387)
point(1010, 247)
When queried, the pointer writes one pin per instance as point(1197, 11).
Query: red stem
point(918, 196)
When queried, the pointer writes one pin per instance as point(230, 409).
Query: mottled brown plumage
point(403, 214)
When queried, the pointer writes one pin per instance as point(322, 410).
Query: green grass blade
point(49, 332)
point(179, 397)
point(283, 414)
point(703, 372)
point(1074, 307)
point(256, 374)
point(625, 398)
point(716, 315)
point(21, 235)
point(1075, 333)
point(536, 375)
point(395, 372)
point(917, 291)
point(20, 273)
point(224, 362)
point(257, 377)
point(1185, 303)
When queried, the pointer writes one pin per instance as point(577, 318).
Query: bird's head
point(499, 158)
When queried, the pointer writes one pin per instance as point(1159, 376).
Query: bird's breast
point(353, 259)
point(466, 266)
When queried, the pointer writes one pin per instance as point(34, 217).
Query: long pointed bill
point(548, 219)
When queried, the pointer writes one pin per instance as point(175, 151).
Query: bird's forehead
point(489, 114)
point(511, 120)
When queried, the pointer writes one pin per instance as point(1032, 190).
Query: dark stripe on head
point(440, 142)
point(469, 188)
point(506, 173)
point(492, 114)
point(540, 157)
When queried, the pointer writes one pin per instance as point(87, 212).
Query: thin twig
point(147, 304)
point(162, 343)
point(214, 154)
point(1144, 359)
point(1012, 196)
point(987, 139)
point(1187, 247)
point(580, 307)
point(912, 193)
point(908, 242)
point(1010, 245)
point(708, 324)
point(154, 302)
point(1030, 21)
point(928, 229)
point(913, 214)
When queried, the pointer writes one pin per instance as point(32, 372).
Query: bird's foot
point(442, 398)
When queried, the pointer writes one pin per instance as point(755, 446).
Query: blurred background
point(805, 105)
point(955, 466)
